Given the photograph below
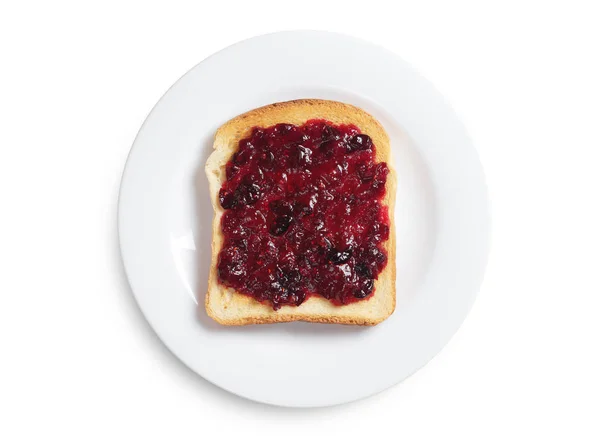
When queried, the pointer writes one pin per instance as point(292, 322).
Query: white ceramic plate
point(441, 219)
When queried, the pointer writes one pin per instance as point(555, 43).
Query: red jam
point(303, 215)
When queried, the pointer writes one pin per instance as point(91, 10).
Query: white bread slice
point(227, 306)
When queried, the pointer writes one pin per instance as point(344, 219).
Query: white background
point(79, 365)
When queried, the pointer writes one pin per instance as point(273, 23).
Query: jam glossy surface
point(303, 215)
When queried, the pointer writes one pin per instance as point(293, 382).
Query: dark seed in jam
point(303, 215)
point(365, 288)
point(248, 193)
point(360, 142)
point(280, 225)
point(366, 172)
point(300, 297)
point(378, 256)
point(339, 257)
point(363, 270)
point(330, 133)
point(241, 157)
point(227, 200)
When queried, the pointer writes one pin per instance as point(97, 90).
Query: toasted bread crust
point(228, 307)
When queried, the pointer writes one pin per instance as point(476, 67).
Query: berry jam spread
point(303, 215)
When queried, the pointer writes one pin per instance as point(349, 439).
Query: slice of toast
point(227, 306)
